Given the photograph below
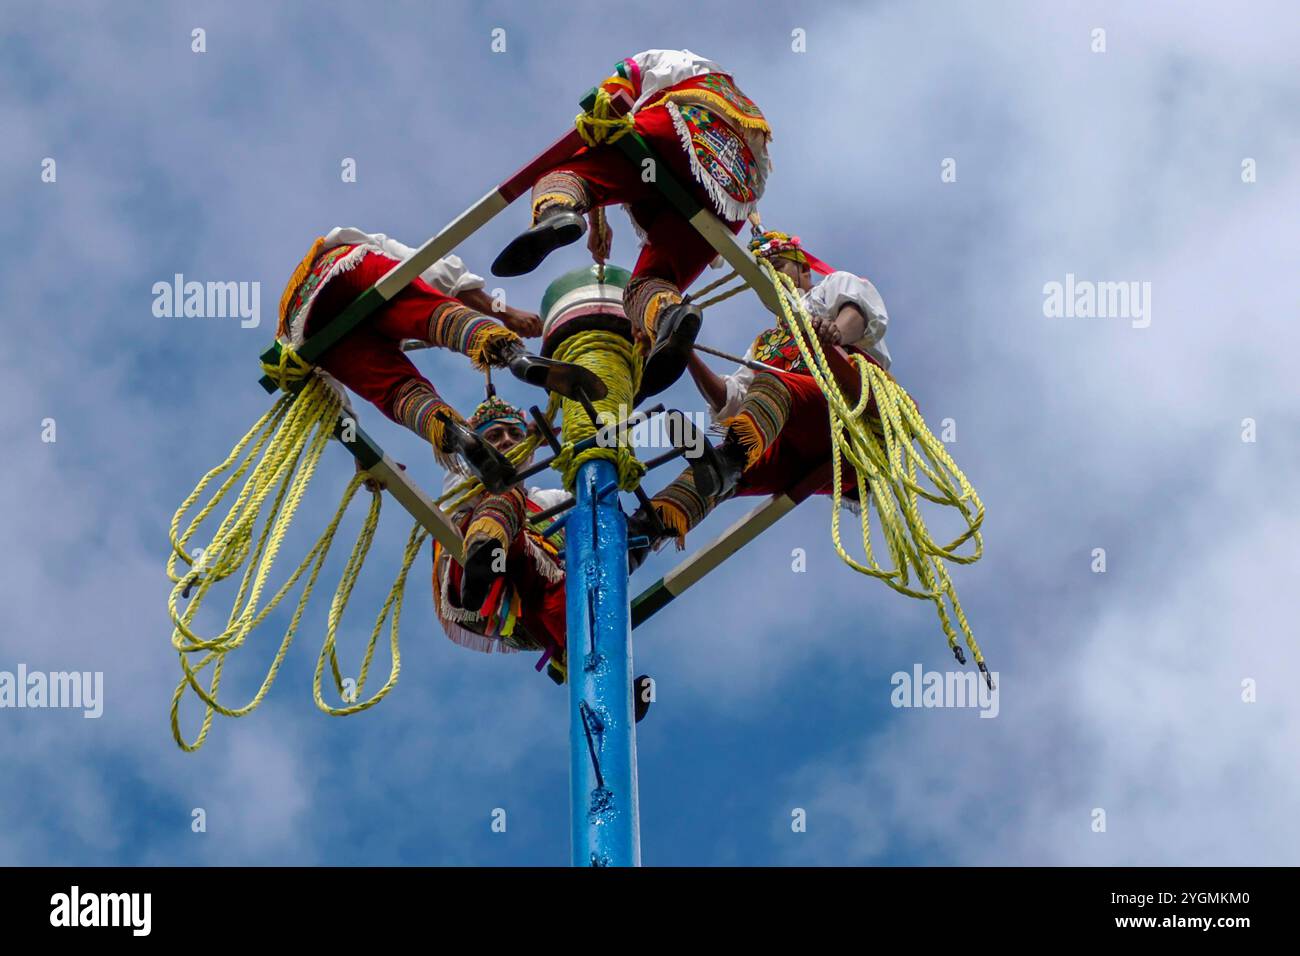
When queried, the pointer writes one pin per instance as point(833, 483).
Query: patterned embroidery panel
point(320, 271)
point(554, 545)
point(721, 152)
point(777, 347)
point(744, 107)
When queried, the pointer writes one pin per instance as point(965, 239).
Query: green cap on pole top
point(580, 301)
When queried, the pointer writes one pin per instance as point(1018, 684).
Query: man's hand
point(524, 324)
point(600, 237)
point(826, 332)
point(851, 323)
point(372, 484)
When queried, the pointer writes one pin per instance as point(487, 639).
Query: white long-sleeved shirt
point(824, 301)
point(448, 275)
point(661, 69)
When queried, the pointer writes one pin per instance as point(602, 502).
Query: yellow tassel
point(674, 520)
point(750, 438)
point(295, 280)
point(715, 100)
point(561, 665)
point(483, 346)
point(486, 527)
point(546, 200)
point(655, 306)
point(438, 439)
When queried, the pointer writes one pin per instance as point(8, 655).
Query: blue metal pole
point(602, 730)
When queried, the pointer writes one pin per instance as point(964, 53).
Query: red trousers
point(802, 445)
point(369, 359)
point(674, 251)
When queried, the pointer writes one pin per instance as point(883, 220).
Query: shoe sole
point(707, 472)
point(474, 566)
point(562, 377)
point(526, 252)
point(495, 476)
point(666, 364)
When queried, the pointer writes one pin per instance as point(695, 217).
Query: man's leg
point(370, 365)
point(370, 361)
point(419, 311)
point(779, 434)
point(672, 258)
point(599, 176)
point(674, 254)
point(493, 529)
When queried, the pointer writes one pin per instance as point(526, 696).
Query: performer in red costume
point(694, 117)
point(777, 422)
point(442, 308)
point(509, 596)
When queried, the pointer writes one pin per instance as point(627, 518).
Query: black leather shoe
point(568, 379)
point(717, 471)
point(675, 333)
point(558, 227)
point(645, 532)
point(734, 462)
point(486, 463)
point(479, 574)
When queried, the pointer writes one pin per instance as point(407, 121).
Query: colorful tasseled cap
point(772, 244)
point(779, 245)
point(495, 411)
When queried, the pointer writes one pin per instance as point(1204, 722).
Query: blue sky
point(1120, 691)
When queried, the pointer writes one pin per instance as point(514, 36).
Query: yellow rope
point(618, 363)
point(889, 469)
point(722, 296)
point(600, 125)
point(288, 370)
point(714, 284)
point(286, 444)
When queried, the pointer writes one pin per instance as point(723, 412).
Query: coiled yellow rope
point(601, 125)
point(617, 362)
point(890, 468)
point(286, 444)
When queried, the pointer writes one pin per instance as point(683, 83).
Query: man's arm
point(853, 308)
point(518, 321)
point(850, 323)
point(711, 385)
